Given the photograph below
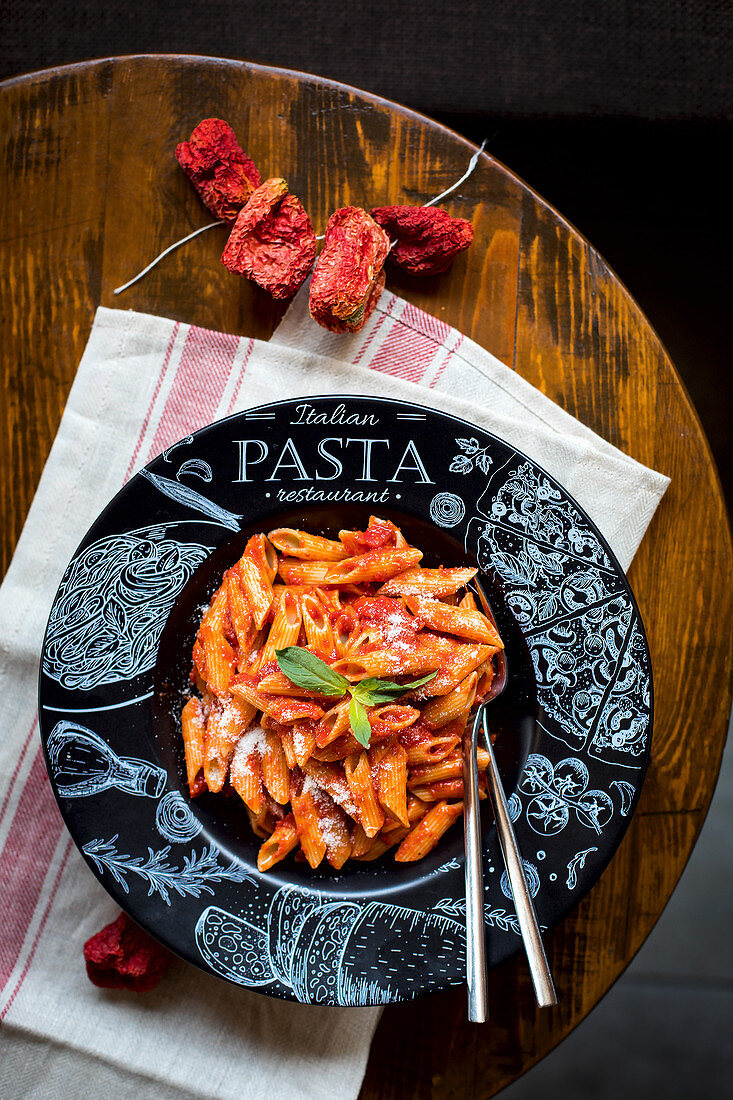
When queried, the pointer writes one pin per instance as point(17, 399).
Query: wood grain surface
point(91, 193)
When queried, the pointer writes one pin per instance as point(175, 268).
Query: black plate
point(117, 654)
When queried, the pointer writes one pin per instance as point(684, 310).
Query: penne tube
point(277, 683)
point(245, 772)
point(240, 616)
point(377, 847)
point(335, 723)
point(432, 747)
point(388, 769)
point(277, 846)
point(392, 718)
point(443, 709)
point(436, 792)
point(468, 602)
point(275, 773)
point(428, 582)
point(428, 831)
point(192, 731)
point(258, 587)
point(358, 776)
point(225, 725)
point(379, 533)
point(464, 658)
point(331, 778)
point(334, 827)
point(215, 656)
point(377, 565)
point(283, 709)
point(263, 553)
point(284, 630)
point(471, 625)
point(360, 842)
point(317, 626)
point(425, 654)
point(451, 767)
point(305, 812)
point(485, 678)
point(299, 544)
point(293, 571)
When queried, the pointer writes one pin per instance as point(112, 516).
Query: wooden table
point(91, 193)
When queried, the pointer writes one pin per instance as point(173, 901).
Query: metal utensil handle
point(539, 968)
point(475, 930)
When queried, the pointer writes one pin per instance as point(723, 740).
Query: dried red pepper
point(220, 170)
point(348, 276)
point(122, 956)
point(427, 239)
point(272, 242)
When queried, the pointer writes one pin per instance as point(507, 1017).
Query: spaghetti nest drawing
point(112, 606)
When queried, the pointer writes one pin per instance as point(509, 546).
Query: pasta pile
point(363, 605)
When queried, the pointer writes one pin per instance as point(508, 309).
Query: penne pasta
point(192, 731)
point(293, 571)
point(299, 544)
point(284, 630)
point(283, 839)
point(245, 773)
point(377, 565)
point(428, 831)
point(275, 773)
point(388, 768)
point(257, 585)
point(443, 709)
point(454, 620)
point(428, 582)
point(308, 634)
point(358, 777)
point(317, 626)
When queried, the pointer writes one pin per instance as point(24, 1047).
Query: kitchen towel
point(143, 383)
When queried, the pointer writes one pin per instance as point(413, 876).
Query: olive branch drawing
point(498, 918)
point(473, 454)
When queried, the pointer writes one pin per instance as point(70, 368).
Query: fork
point(476, 977)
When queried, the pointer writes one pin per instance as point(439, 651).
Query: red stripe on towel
point(153, 399)
point(32, 839)
point(190, 405)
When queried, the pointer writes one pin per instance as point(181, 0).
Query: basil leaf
point(308, 671)
point(373, 692)
point(359, 719)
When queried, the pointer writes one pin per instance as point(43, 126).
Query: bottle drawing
point(83, 764)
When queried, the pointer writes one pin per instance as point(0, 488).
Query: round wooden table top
point(92, 192)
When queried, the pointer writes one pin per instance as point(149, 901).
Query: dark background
point(617, 113)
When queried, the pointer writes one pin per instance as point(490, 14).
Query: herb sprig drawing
point(195, 877)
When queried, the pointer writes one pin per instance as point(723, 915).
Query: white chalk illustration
point(471, 454)
point(557, 790)
point(197, 875)
point(588, 650)
point(626, 793)
point(112, 605)
point(174, 819)
point(532, 876)
point(337, 953)
point(578, 861)
point(183, 494)
point(196, 467)
point(83, 764)
point(447, 509)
